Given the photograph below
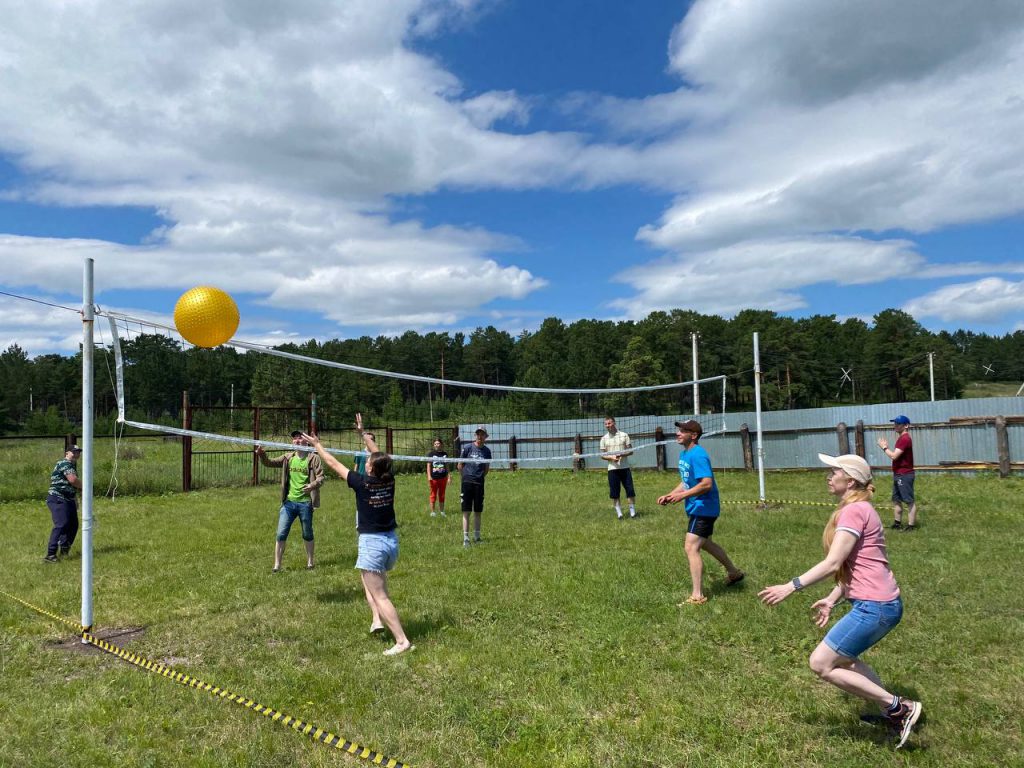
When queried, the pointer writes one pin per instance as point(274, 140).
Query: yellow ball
point(206, 316)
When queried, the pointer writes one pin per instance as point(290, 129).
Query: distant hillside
point(991, 389)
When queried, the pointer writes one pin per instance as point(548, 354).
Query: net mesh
point(528, 427)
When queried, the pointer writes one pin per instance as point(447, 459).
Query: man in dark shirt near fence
point(64, 481)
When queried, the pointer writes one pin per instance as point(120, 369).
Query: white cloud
point(269, 137)
point(802, 118)
point(36, 327)
point(987, 300)
point(764, 274)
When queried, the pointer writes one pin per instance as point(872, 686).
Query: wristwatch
point(797, 585)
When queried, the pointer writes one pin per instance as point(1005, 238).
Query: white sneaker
point(433, 514)
point(465, 542)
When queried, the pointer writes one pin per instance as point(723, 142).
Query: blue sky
point(356, 167)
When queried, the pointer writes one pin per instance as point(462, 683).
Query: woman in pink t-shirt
point(855, 556)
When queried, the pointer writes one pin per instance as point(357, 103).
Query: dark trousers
point(65, 524)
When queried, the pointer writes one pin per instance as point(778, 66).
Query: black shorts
point(617, 477)
point(472, 497)
point(701, 526)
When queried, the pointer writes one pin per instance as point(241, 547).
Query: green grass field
point(557, 641)
point(991, 389)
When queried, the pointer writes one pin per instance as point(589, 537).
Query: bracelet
point(797, 584)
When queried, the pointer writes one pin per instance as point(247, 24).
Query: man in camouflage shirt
point(64, 482)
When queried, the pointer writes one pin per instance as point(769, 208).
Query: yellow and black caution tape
point(308, 729)
point(79, 629)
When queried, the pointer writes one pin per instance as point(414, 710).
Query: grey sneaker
point(903, 721)
point(896, 525)
point(50, 559)
point(465, 542)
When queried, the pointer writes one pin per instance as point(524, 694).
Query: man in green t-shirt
point(302, 474)
point(64, 481)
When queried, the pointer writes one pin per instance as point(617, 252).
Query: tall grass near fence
point(557, 641)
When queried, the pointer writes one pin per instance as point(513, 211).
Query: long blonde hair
point(856, 492)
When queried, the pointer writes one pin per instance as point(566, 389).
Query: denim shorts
point(378, 552)
point(867, 622)
point(289, 511)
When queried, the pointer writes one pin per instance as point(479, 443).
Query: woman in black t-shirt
point(437, 477)
point(376, 524)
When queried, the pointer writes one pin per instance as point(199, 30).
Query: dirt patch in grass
point(113, 635)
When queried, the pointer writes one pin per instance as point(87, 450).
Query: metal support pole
point(696, 375)
point(931, 373)
point(760, 434)
point(87, 448)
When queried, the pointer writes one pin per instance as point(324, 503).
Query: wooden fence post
point(186, 444)
point(660, 459)
point(578, 464)
point(389, 440)
point(843, 435)
point(1002, 446)
point(456, 442)
point(257, 427)
point(512, 455)
point(859, 438)
point(748, 448)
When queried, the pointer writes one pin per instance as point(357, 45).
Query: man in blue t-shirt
point(699, 492)
point(473, 474)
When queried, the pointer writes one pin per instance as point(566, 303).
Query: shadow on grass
point(874, 727)
point(344, 595)
point(423, 627)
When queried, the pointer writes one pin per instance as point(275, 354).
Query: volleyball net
point(312, 388)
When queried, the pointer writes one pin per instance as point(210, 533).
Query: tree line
point(806, 363)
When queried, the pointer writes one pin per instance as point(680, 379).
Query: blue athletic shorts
point(867, 622)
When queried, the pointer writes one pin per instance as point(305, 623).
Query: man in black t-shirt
point(473, 475)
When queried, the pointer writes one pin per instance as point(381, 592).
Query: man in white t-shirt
point(615, 449)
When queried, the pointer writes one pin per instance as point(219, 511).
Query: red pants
point(437, 489)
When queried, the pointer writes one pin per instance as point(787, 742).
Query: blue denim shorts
point(289, 511)
point(378, 552)
point(867, 622)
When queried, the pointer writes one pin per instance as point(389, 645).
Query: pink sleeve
point(853, 517)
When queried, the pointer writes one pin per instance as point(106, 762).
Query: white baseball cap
point(851, 464)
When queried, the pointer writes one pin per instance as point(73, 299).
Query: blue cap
point(900, 420)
